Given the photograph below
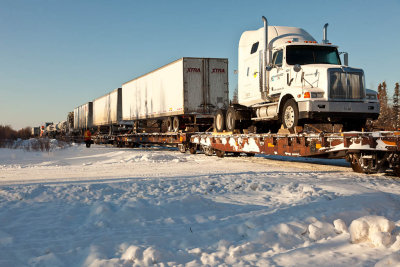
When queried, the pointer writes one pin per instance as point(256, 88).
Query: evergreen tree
point(396, 107)
point(383, 121)
point(235, 98)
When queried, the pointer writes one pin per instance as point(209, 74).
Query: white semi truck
point(287, 78)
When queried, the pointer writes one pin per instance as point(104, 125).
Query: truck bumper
point(337, 111)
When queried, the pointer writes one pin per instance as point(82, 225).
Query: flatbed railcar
point(367, 152)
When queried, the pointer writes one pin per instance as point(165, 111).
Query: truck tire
point(176, 124)
point(169, 124)
point(230, 120)
point(290, 114)
point(219, 121)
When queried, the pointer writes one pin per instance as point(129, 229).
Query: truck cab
point(290, 79)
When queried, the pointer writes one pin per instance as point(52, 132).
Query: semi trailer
point(83, 117)
point(184, 93)
point(107, 111)
point(286, 77)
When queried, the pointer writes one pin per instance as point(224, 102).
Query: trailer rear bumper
point(337, 111)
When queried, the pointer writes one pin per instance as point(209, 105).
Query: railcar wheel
point(193, 149)
point(396, 171)
point(220, 153)
point(182, 148)
point(219, 121)
point(290, 114)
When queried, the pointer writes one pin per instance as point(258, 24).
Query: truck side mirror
point(297, 68)
point(345, 58)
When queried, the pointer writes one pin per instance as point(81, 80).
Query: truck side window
point(277, 58)
point(254, 48)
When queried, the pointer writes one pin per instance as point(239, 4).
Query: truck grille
point(346, 85)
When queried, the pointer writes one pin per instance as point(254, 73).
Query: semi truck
point(286, 78)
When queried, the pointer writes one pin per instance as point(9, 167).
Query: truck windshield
point(310, 54)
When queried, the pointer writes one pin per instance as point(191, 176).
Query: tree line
point(8, 133)
point(389, 109)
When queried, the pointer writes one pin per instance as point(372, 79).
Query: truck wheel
point(219, 121)
point(290, 114)
point(230, 119)
point(176, 123)
point(169, 124)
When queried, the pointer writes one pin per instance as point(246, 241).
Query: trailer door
point(195, 94)
point(218, 85)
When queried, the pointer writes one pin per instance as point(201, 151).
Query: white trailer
point(180, 92)
point(107, 109)
point(83, 116)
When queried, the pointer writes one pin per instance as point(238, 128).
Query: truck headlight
point(317, 95)
point(371, 96)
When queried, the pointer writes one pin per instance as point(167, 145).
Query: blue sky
point(56, 55)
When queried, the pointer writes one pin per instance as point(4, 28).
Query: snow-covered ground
point(108, 206)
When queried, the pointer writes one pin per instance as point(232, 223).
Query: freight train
point(286, 79)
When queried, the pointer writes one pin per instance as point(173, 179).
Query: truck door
point(277, 74)
point(252, 75)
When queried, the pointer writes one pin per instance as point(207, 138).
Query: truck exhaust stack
point(325, 40)
point(265, 56)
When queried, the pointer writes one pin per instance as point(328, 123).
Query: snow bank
point(106, 206)
point(38, 144)
point(375, 229)
point(319, 230)
point(340, 226)
point(392, 260)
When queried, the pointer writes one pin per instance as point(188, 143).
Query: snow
point(106, 206)
point(376, 229)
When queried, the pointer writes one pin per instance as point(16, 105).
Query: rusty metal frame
point(335, 145)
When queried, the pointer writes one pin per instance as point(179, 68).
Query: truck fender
point(282, 101)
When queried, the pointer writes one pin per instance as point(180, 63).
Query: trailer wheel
point(169, 124)
point(219, 121)
point(290, 114)
point(176, 123)
point(230, 119)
